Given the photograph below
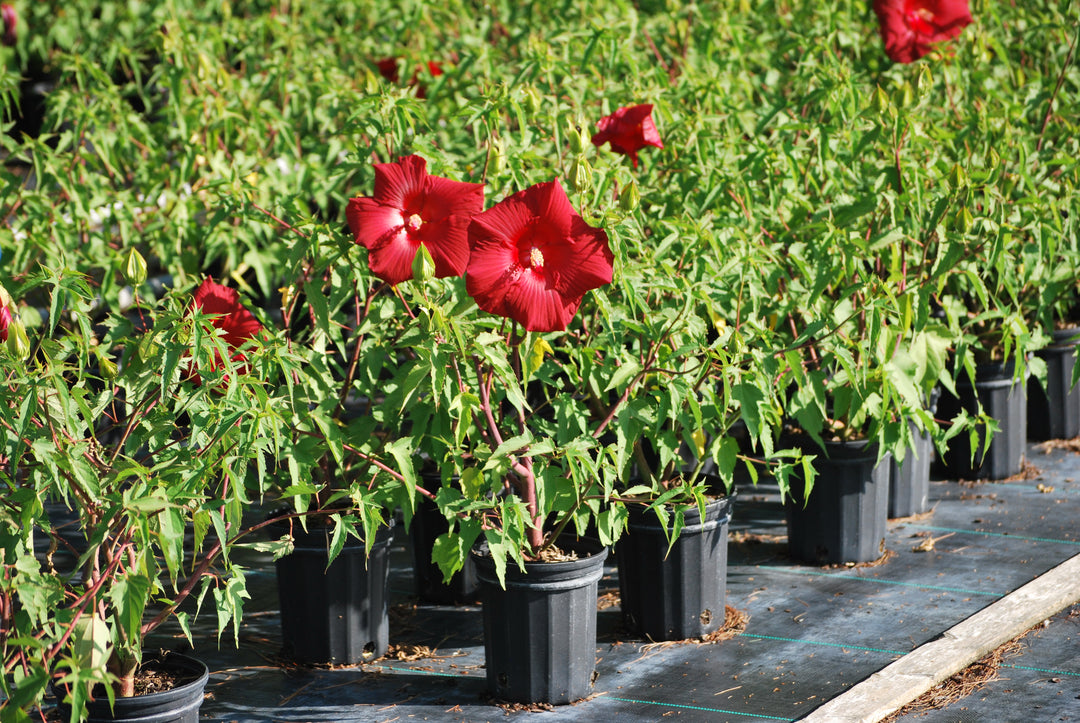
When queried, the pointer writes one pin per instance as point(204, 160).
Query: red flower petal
point(410, 208)
point(910, 28)
point(628, 130)
point(232, 318)
point(533, 258)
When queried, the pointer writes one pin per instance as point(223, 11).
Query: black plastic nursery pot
point(427, 524)
point(178, 705)
point(678, 594)
point(844, 518)
point(1005, 400)
point(540, 632)
point(1054, 412)
point(336, 614)
point(909, 480)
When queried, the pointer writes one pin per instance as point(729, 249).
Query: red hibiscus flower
point(5, 321)
point(411, 208)
point(236, 322)
point(532, 258)
point(910, 27)
point(628, 130)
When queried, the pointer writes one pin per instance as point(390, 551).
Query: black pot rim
point(168, 657)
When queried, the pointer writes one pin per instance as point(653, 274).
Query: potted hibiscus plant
point(128, 456)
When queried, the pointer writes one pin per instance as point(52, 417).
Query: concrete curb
point(906, 679)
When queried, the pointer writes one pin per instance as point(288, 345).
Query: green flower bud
point(577, 143)
point(925, 82)
point(135, 268)
point(496, 160)
point(423, 266)
point(629, 197)
point(879, 101)
point(581, 175)
point(905, 96)
point(964, 220)
point(533, 100)
point(107, 365)
point(957, 177)
point(18, 344)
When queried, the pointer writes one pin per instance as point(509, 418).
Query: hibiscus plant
point(129, 458)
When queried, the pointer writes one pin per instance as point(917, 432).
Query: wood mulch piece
point(608, 599)
point(885, 557)
point(741, 537)
point(555, 554)
point(1071, 445)
point(969, 680)
point(735, 622)
point(1027, 473)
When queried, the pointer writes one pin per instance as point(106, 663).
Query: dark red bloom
point(388, 69)
point(532, 258)
point(910, 28)
point(230, 316)
point(628, 130)
point(411, 208)
point(5, 321)
point(7, 13)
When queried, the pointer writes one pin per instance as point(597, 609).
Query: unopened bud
point(964, 220)
point(905, 96)
point(957, 177)
point(533, 100)
point(496, 160)
point(135, 268)
point(925, 82)
point(581, 175)
point(106, 365)
point(879, 101)
point(18, 344)
point(423, 266)
point(573, 135)
point(629, 197)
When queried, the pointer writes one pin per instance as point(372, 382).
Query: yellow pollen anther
point(536, 258)
point(414, 221)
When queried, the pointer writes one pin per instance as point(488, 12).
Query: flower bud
point(924, 83)
point(964, 220)
point(106, 365)
point(135, 268)
point(496, 160)
point(423, 266)
point(18, 344)
point(533, 100)
point(573, 135)
point(957, 177)
point(629, 197)
point(581, 175)
point(879, 101)
point(905, 96)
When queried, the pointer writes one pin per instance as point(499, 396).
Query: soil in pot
point(338, 614)
point(678, 594)
point(173, 685)
point(540, 632)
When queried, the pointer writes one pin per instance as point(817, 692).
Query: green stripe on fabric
point(996, 534)
point(695, 707)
